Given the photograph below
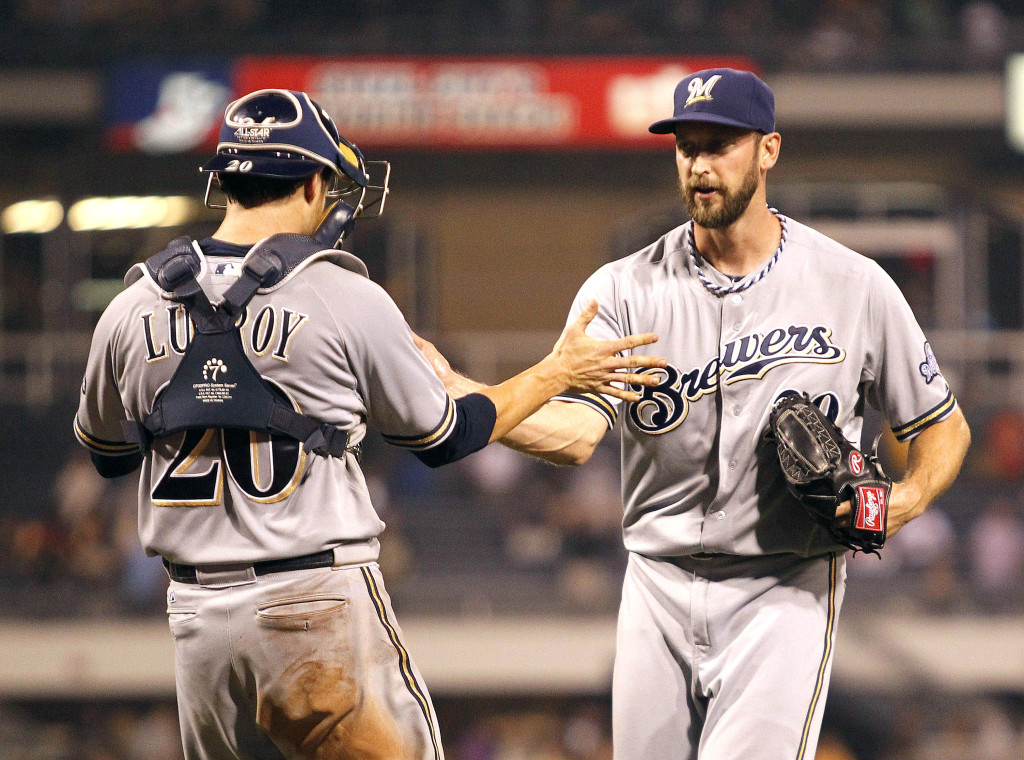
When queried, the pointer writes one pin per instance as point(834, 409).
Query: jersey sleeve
point(405, 400)
point(97, 424)
point(902, 374)
point(605, 326)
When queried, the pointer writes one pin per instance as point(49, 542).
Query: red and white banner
point(495, 103)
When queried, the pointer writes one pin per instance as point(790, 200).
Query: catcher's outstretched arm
point(933, 461)
point(559, 432)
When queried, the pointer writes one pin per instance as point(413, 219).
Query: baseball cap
point(722, 96)
point(284, 134)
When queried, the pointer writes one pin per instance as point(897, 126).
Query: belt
point(703, 555)
point(187, 573)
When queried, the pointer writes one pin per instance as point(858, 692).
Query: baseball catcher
point(823, 469)
point(241, 372)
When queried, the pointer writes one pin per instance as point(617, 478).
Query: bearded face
point(714, 202)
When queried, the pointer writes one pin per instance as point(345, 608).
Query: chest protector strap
point(215, 385)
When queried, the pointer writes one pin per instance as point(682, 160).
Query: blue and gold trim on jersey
point(594, 401)
point(935, 414)
point(819, 683)
point(404, 662)
point(431, 439)
point(100, 446)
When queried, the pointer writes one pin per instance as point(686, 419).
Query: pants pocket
point(301, 613)
point(182, 622)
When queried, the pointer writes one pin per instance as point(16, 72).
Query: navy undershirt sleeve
point(474, 424)
point(115, 467)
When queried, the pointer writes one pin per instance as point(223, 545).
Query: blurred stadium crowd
point(827, 35)
point(500, 533)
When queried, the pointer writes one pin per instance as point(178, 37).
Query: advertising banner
point(154, 108)
point(594, 102)
point(416, 102)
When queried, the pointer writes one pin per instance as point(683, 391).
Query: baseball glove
point(823, 469)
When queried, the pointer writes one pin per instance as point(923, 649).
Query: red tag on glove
point(872, 507)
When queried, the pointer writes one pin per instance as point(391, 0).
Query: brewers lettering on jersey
point(241, 372)
point(732, 591)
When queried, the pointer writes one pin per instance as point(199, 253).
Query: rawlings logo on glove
point(823, 469)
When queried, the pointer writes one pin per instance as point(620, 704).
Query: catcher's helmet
point(283, 133)
point(286, 134)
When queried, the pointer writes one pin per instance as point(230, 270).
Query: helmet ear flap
point(352, 164)
point(337, 222)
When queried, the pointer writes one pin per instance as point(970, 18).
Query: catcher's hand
point(823, 469)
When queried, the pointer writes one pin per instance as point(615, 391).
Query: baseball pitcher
point(737, 528)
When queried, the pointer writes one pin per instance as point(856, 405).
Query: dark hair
point(250, 190)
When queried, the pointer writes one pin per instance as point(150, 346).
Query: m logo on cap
point(701, 90)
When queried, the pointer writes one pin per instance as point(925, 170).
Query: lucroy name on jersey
point(271, 330)
point(666, 405)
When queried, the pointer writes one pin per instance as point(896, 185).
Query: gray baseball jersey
point(333, 344)
point(731, 595)
point(823, 320)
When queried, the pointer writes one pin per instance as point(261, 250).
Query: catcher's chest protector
point(215, 385)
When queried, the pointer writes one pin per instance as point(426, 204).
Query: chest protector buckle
point(216, 385)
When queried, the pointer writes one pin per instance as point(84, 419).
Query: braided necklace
point(746, 282)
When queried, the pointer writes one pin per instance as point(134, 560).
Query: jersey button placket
point(737, 324)
point(733, 407)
